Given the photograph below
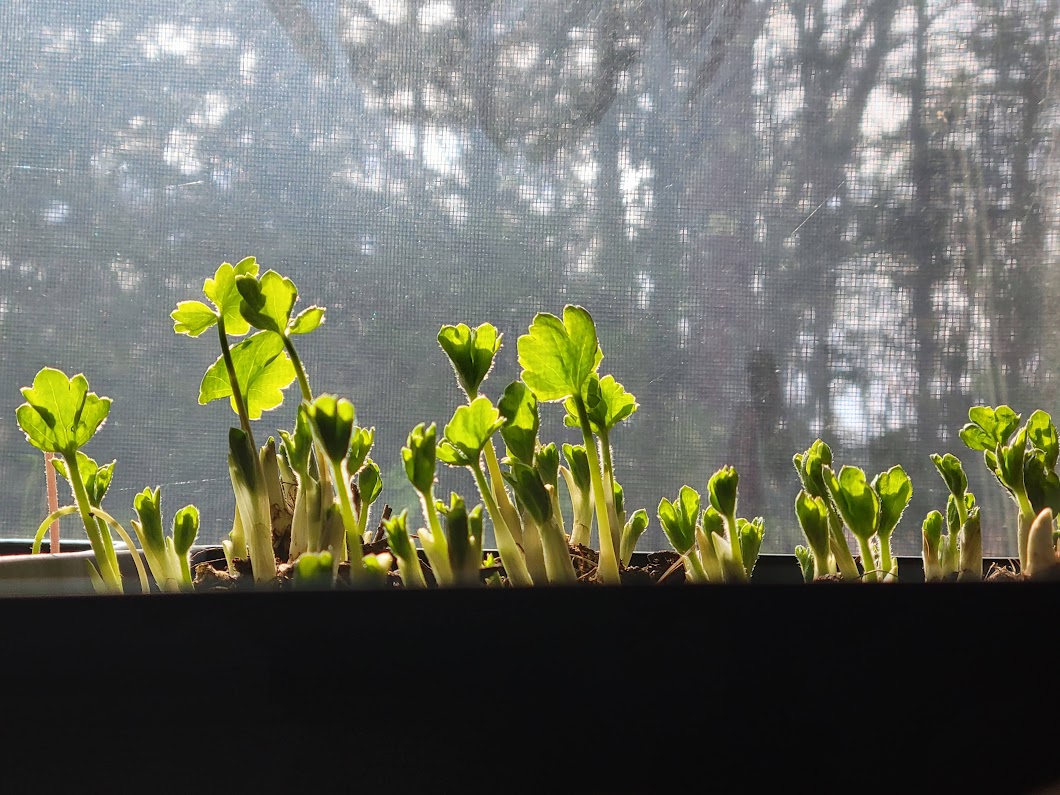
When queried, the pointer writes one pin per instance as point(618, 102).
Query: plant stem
point(500, 494)
point(100, 541)
point(607, 571)
point(349, 522)
point(53, 498)
point(511, 554)
point(237, 393)
point(439, 552)
point(868, 563)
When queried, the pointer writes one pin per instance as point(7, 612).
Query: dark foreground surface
point(824, 688)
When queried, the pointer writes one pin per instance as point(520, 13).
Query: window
point(790, 219)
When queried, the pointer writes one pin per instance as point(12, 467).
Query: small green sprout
point(408, 559)
point(466, 435)
point(810, 467)
point(813, 516)
point(420, 457)
point(167, 556)
point(858, 505)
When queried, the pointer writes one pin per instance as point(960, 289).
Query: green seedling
point(466, 434)
point(577, 476)
point(333, 422)
point(558, 357)
point(463, 529)
point(894, 490)
point(962, 553)
point(810, 467)
point(471, 352)
point(858, 505)
point(61, 416)
point(420, 457)
point(679, 520)
point(813, 515)
point(408, 559)
point(932, 544)
point(167, 556)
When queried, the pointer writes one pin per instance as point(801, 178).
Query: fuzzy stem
point(511, 555)
point(607, 571)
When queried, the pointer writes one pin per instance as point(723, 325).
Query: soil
point(661, 568)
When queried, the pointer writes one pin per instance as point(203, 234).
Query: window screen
point(790, 219)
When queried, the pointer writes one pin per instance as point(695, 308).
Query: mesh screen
point(791, 220)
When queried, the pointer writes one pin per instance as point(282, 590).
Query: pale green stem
point(500, 494)
point(38, 539)
point(734, 539)
point(867, 560)
point(439, 552)
point(349, 523)
point(609, 491)
point(511, 555)
point(844, 560)
point(100, 541)
point(145, 586)
point(607, 570)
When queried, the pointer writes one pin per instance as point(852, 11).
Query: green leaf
point(60, 415)
point(722, 488)
point(332, 420)
point(607, 403)
point(1041, 433)
point(1041, 483)
point(369, 483)
point(1010, 463)
point(808, 465)
point(750, 534)
point(949, 466)
point(854, 499)
point(530, 491)
point(471, 352)
point(307, 320)
point(97, 479)
point(712, 521)
point(805, 559)
point(932, 529)
point(419, 456)
point(678, 519)
point(299, 444)
point(267, 302)
point(185, 529)
point(518, 406)
point(192, 318)
point(361, 441)
point(397, 534)
point(996, 426)
point(975, 438)
point(895, 490)
point(263, 370)
point(546, 462)
point(557, 356)
point(222, 291)
point(812, 513)
point(148, 507)
point(468, 431)
point(578, 464)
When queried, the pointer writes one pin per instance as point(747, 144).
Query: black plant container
point(774, 686)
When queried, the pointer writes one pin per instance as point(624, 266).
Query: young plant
point(463, 529)
point(471, 352)
point(537, 499)
point(991, 431)
point(858, 505)
point(253, 375)
point(466, 434)
point(814, 517)
point(810, 466)
point(607, 403)
point(420, 457)
point(558, 357)
point(579, 486)
point(408, 559)
point(894, 490)
point(60, 416)
point(679, 520)
point(167, 556)
point(333, 422)
point(962, 553)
